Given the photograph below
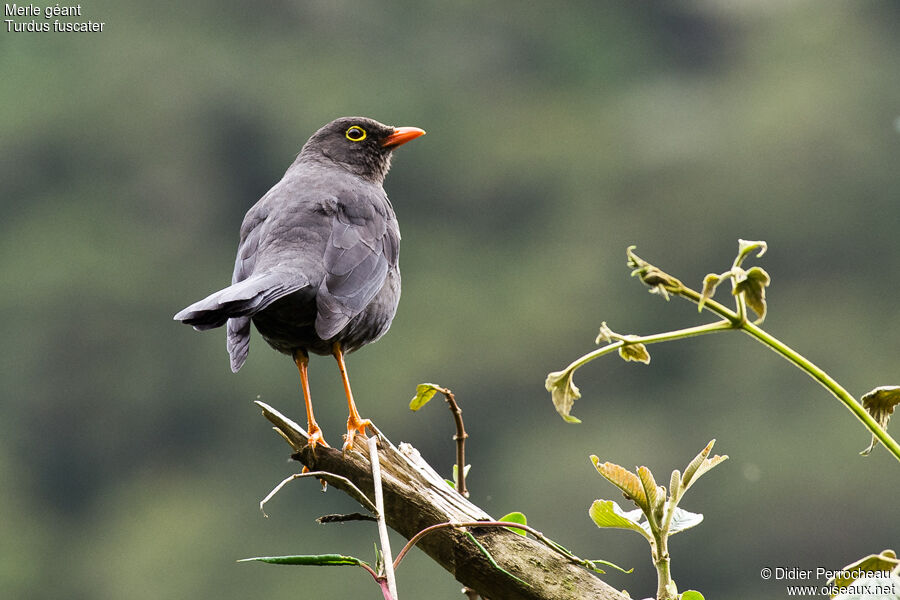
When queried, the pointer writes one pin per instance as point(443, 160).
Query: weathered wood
point(417, 497)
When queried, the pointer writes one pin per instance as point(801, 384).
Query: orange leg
point(355, 424)
point(301, 359)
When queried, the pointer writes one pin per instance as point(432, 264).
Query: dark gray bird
point(317, 264)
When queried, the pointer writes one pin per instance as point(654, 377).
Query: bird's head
point(361, 145)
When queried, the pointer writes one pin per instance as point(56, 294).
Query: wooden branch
point(416, 497)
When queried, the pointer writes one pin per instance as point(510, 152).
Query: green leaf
point(880, 403)
point(692, 595)
point(608, 514)
point(636, 352)
point(424, 393)
point(745, 247)
point(886, 561)
point(880, 587)
point(625, 480)
point(516, 517)
point(563, 392)
point(682, 519)
point(319, 560)
point(752, 284)
point(700, 465)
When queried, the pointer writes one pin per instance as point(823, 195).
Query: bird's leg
point(301, 359)
point(355, 424)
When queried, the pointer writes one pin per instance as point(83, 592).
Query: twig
point(460, 439)
point(354, 491)
point(382, 525)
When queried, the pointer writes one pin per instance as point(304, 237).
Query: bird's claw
point(355, 426)
point(315, 437)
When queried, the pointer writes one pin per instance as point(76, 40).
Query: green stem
point(827, 382)
point(662, 562)
point(668, 336)
point(802, 363)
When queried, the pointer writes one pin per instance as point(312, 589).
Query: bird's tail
point(242, 299)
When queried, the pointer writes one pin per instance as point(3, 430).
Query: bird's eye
point(356, 134)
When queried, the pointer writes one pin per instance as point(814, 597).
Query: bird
point(317, 266)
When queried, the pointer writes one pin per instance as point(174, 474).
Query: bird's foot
point(315, 437)
point(355, 426)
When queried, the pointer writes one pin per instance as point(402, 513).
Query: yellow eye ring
point(356, 134)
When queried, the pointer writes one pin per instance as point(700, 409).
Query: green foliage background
point(132, 460)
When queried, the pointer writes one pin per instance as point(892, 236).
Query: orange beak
point(402, 135)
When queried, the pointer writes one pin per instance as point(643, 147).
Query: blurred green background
point(132, 460)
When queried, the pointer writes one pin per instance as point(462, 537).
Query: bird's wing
point(362, 246)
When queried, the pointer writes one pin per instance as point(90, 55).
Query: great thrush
point(317, 264)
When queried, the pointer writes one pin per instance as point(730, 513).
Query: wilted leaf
point(636, 352)
point(886, 561)
point(623, 479)
point(710, 282)
point(752, 284)
point(563, 392)
point(659, 281)
point(515, 517)
point(424, 393)
point(606, 513)
point(700, 465)
point(745, 247)
point(880, 403)
point(682, 519)
point(320, 560)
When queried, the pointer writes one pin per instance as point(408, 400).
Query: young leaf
point(424, 393)
point(625, 480)
point(606, 513)
point(675, 487)
point(710, 282)
point(455, 481)
point(682, 519)
point(692, 595)
point(320, 560)
point(745, 247)
point(516, 517)
point(880, 403)
point(636, 352)
point(700, 465)
point(656, 495)
point(563, 392)
point(605, 335)
point(752, 284)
